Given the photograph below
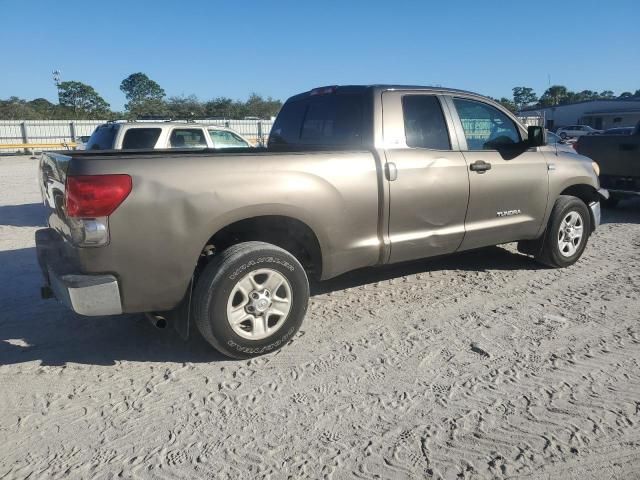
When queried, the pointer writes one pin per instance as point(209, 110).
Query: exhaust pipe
point(157, 321)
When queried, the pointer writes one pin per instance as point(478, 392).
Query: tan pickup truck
point(353, 176)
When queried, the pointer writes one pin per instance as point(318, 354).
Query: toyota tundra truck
point(352, 177)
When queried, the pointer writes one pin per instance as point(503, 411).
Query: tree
point(149, 108)
point(508, 104)
point(82, 99)
point(554, 95)
point(185, 107)
point(626, 95)
point(606, 94)
point(523, 96)
point(139, 88)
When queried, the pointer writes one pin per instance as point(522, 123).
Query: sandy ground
point(480, 365)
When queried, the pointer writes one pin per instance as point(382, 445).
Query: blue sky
point(278, 48)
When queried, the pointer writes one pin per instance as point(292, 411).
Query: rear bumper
point(90, 295)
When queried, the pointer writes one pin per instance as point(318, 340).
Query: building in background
point(599, 114)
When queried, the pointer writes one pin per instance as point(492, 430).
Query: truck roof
point(381, 86)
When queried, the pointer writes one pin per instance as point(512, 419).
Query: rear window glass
point(187, 138)
point(102, 138)
point(424, 122)
point(141, 138)
point(323, 120)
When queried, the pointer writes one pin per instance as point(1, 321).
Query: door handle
point(480, 166)
point(390, 171)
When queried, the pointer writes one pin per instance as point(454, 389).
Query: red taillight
point(575, 146)
point(95, 195)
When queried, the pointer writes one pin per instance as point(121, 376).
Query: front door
point(427, 176)
point(508, 182)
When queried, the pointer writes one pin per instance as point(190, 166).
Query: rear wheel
point(567, 233)
point(251, 299)
point(563, 136)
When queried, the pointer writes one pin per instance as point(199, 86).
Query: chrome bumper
point(90, 295)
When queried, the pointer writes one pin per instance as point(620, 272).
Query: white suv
point(576, 131)
point(152, 135)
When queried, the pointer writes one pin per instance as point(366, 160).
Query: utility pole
point(57, 79)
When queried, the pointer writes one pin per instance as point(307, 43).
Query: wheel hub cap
point(570, 234)
point(259, 304)
point(260, 301)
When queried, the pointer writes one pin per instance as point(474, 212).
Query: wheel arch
point(284, 231)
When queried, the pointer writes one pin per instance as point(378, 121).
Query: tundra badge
point(508, 213)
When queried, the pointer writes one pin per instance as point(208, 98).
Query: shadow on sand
point(32, 329)
point(27, 215)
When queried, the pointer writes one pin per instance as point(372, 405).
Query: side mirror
point(537, 136)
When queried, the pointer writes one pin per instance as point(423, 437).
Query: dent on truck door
point(427, 178)
point(508, 182)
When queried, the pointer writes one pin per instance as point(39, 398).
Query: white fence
point(40, 134)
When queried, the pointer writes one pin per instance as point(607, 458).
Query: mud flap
point(180, 316)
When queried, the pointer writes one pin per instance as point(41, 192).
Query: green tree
point(139, 88)
point(625, 95)
point(185, 107)
point(256, 106)
point(554, 95)
point(82, 99)
point(224, 107)
point(149, 108)
point(607, 94)
point(523, 96)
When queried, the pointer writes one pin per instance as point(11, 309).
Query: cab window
point(485, 127)
point(224, 139)
point(140, 138)
point(424, 123)
point(187, 138)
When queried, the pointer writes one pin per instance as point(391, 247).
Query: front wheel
point(250, 299)
point(563, 136)
point(567, 233)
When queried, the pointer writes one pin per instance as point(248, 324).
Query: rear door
point(508, 182)
point(426, 174)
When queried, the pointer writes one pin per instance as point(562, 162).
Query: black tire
point(219, 278)
point(611, 202)
point(550, 253)
point(563, 136)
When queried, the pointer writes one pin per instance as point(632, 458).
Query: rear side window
point(141, 138)
point(424, 123)
point(187, 138)
point(323, 120)
point(102, 138)
point(485, 127)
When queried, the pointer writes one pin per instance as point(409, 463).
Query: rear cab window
point(332, 119)
point(141, 138)
point(187, 138)
point(103, 137)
